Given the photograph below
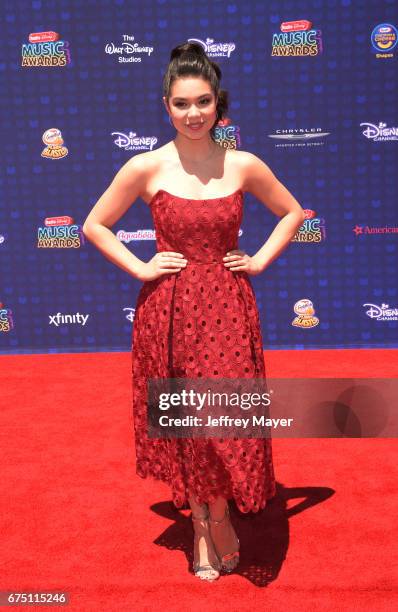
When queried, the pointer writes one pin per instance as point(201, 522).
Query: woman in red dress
point(196, 314)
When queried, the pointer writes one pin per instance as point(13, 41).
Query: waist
point(206, 260)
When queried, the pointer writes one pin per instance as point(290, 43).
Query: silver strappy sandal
point(228, 561)
point(205, 572)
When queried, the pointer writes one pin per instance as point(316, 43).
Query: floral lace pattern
point(200, 322)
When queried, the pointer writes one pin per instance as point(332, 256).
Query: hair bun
point(191, 48)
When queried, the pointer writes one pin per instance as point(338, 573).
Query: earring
point(170, 121)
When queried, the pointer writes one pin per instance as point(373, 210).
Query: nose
point(193, 111)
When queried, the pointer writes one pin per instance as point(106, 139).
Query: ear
point(166, 103)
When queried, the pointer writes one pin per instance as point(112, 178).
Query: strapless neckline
point(159, 191)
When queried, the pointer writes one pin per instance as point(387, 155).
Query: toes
point(209, 575)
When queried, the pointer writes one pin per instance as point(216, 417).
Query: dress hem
point(182, 500)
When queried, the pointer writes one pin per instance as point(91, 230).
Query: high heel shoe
point(207, 571)
point(230, 560)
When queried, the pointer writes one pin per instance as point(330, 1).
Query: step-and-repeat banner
point(312, 90)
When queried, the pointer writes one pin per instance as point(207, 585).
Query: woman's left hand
point(239, 261)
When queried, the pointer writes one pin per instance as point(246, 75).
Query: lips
point(195, 126)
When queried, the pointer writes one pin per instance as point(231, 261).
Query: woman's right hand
point(164, 262)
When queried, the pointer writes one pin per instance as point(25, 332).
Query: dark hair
point(190, 59)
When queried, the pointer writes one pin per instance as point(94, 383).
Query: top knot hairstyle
point(190, 59)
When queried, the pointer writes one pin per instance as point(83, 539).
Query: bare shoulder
point(153, 159)
point(141, 162)
point(259, 180)
point(240, 157)
point(235, 156)
point(253, 170)
point(248, 160)
point(153, 156)
point(140, 168)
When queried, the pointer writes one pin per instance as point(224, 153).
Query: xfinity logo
point(60, 319)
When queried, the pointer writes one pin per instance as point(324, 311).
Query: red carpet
point(75, 517)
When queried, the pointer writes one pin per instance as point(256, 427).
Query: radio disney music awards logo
point(226, 134)
point(305, 311)
point(132, 142)
point(379, 132)
point(215, 49)
point(54, 142)
point(384, 39)
point(296, 38)
point(60, 233)
point(6, 321)
point(381, 313)
point(366, 230)
point(128, 50)
point(312, 230)
point(299, 137)
point(46, 49)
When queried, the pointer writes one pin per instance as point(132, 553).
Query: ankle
point(218, 517)
point(199, 516)
point(198, 510)
point(217, 520)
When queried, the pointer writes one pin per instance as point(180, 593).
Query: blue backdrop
point(312, 86)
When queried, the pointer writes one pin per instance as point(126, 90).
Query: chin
point(196, 135)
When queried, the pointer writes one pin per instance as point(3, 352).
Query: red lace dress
point(200, 322)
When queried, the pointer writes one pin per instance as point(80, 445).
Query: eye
point(203, 101)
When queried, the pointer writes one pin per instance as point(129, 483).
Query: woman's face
point(192, 106)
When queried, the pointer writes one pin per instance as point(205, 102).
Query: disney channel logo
point(379, 132)
point(382, 313)
point(215, 49)
point(132, 142)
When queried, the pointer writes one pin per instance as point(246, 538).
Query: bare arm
point(263, 184)
point(125, 188)
point(112, 205)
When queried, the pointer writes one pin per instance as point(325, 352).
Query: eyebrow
point(180, 98)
